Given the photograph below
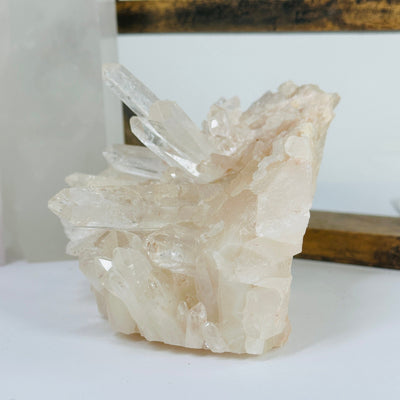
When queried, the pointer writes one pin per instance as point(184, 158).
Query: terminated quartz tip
point(189, 241)
point(129, 89)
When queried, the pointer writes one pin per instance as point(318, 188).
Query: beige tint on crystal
point(190, 241)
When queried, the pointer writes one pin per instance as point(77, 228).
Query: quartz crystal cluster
point(190, 240)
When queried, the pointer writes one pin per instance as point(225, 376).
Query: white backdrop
point(52, 119)
point(361, 167)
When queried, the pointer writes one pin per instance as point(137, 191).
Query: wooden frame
point(353, 239)
point(339, 237)
point(257, 15)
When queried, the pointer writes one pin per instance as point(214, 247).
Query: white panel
point(51, 112)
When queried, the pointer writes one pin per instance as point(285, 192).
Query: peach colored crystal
point(190, 240)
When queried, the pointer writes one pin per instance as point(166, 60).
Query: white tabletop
point(345, 343)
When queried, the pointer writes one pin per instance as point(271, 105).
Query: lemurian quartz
point(190, 240)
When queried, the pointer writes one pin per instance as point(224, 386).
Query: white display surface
point(344, 344)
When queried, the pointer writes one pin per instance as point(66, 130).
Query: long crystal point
point(180, 130)
point(134, 207)
point(163, 126)
point(174, 137)
point(155, 137)
point(134, 160)
point(129, 89)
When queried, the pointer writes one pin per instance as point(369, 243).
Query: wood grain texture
point(257, 15)
point(129, 137)
point(353, 239)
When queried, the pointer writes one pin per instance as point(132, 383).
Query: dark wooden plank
point(257, 15)
point(353, 239)
point(130, 138)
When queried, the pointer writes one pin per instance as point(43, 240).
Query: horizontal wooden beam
point(257, 15)
point(129, 137)
point(353, 239)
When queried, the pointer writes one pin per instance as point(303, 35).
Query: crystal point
point(135, 160)
point(129, 89)
point(190, 241)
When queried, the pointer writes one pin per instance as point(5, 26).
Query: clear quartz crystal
point(190, 241)
point(129, 89)
point(135, 160)
point(155, 137)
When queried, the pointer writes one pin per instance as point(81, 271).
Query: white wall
point(361, 167)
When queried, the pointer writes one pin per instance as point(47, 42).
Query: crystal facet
point(193, 245)
point(129, 89)
point(135, 160)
